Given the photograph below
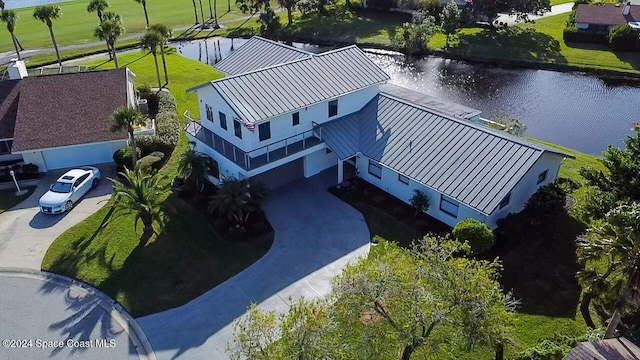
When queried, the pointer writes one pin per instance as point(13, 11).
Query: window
point(223, 120)
point(333, 108)
point(209, 113)
point(543, 176)
point(264, 131)
point(80, 180)
point(403, 179)
point(327, 151)
point(237, 128)
point(449, 206)
point(505, 201)
point(375, 169)
point(296, 118)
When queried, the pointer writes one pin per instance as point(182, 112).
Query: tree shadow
point(540, 263)
point(516, 43)
point(631, 58)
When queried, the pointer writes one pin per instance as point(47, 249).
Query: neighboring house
point(60, 121)
point(601, 18)
point(609, 349)
point(314, 112)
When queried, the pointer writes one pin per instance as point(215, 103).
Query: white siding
point(208, 96)
point(527, 186)
point(318, 161)
point(64, 157)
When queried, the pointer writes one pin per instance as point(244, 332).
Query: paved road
point(555, 10)
point(79, 322)
point(316, 236)
point(27, 234)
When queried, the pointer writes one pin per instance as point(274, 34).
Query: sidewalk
point(510, 20)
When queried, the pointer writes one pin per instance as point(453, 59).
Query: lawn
point(539, 267)
point(8, 198)
point(558, 2)
point(76, 26)
point(184, 261)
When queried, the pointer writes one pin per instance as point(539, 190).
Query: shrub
point(476, 233)
point(419, 201)
point(166, 102)
point(168, 130)
point(123, 157)
point(546, 350)
point(30, 168)
point(150, 163)
point(144, 88)
point(221, 224)
point(547, 201)
point(572, 34)
point(623, 38)
point(568, 185)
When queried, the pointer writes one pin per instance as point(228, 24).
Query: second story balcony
point(257, 157)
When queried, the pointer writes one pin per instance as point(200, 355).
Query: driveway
point(27, 234)
point(510, 20)
point(316, 235)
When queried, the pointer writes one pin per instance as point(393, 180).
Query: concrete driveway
point(316, 235)
point(27, 234)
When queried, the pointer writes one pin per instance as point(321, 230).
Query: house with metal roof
point(294, 119)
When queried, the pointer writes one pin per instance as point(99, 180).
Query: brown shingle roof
point(9, 96)
point(608, 14)
point(69, 109)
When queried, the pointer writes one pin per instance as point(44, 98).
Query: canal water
point(579, 111)
point(19, 4)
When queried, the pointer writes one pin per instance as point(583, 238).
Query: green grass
point(8, 199)
point(558, 2)
point(76, 26)
point(184, 261)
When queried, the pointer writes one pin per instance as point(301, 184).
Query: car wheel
point(95, 183)
point(68, 206)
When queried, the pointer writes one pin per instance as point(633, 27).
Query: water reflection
point(581, 112)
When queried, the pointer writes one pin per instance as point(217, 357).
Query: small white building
point(283, 114)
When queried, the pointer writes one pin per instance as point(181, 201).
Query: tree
point(238, 199)
point(151, 40)
point(610, 255)
point(411, 293)
point(549, 200)
point(166, 33)
point(10, 18)
point(196, 166)
point(419, 201)
point(144, 7)
point(252, 6)
point(270, 24)
point(126, 118)
point(413, 37)
point(624, 38)
point(109, 30)
point(450, 20)
point(195, 11)
point(142, 194)
point(1, 5)
point(290, 5)
point(476, 233)
point(98, 6)
point(46, 14)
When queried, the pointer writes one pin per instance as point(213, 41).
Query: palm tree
point(196, 166)
point(46, 14)
point(616, 243)
point(142, 194)
point(98, 6)
point(195, 10)
point(10, 18)
point(126, 118)
point(144, 7)
point(238, 198)
point(210, 10)
point(166, 34)
point(201, 11)
point(109, 31)
point(1, 5)
point(151, 40)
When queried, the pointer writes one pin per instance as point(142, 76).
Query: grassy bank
point(184, 260)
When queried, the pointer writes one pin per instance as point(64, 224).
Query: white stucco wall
point(34, 157)
point(318, 161)
point(389, 182)
point(527, 186)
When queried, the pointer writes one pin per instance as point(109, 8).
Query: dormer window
point(333, 108)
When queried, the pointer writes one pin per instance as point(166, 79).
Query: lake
point(578, 111)
point(19, 4)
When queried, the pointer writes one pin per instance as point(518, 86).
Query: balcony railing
point(254, 158)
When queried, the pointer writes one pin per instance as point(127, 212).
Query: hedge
point(572, 34)
point(151, 162)
point(123, 157)
point(168, 128)
point(476, 233)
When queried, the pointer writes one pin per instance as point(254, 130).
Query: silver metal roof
point(259, 53)
point(430, 102)
point(283, 88)
point(471, 163)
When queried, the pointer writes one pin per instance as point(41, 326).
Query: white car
point(68, 189)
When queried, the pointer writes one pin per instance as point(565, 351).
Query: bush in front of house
point(122, 157)
point(419, 201)
point(168, 128)
point(547, 201)
point(144, 89)
point(572, 34)
point(476, 233)
point(151, 162)
point(624, 38)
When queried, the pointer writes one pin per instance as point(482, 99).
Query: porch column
point(340, 171)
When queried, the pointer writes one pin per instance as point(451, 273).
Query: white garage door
point(80, 155)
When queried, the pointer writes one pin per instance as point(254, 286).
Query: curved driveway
point(27, 234)
point(316, 236)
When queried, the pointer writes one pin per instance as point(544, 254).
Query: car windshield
point(61, 187)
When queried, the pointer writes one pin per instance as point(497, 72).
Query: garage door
point(80, 155)
point(283, 174)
